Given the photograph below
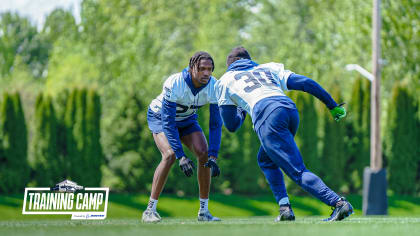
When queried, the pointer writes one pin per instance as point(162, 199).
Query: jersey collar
point(242, 64)
point(187, 77)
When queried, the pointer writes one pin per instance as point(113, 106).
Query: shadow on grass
point(15, 200)
point(297, 203)
point(405, 203)
point(401, 202)
point(239, 202)
point(132, 201)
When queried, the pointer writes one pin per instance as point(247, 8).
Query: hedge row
point(63, 146)
point(66, 144)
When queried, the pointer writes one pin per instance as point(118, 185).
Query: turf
point(131, 206)
point(252, 226)
point(241, 215)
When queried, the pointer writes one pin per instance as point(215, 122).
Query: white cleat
point(206, 216)
point(150, 216)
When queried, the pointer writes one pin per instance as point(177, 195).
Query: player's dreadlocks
point(195, 59)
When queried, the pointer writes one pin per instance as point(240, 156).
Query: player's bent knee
point(202, 156)
point(309, 178)
point(296, 177)
point(201, 153)
point(168, 157)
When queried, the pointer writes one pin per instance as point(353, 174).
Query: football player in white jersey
point(172, 118)
point(258, 90)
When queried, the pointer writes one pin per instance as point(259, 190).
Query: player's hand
point(338, 112)
point(187, 166)
point(211, 163)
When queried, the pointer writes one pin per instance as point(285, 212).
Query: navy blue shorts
point(278, 145)
point(185, 127)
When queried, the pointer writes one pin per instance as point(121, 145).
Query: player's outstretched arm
point(232, 116)
point(215, 128)
point(303, 83)
point(171, 133)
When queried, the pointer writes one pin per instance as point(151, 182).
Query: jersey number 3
point(255, 79)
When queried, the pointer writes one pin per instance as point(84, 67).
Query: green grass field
point(240, 216)
point(229, 226)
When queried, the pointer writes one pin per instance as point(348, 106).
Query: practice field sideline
point(252, 226)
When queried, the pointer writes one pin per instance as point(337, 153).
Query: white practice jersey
point(246, 88)
point(176, 89)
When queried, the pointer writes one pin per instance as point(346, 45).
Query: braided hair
point(197, 57)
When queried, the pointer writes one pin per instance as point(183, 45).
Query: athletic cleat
point(150, 216)
point(206, 216)
point(286, 213)
point(342, 210)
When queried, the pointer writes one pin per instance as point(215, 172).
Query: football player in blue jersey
point(258, 89)
point(172, 118)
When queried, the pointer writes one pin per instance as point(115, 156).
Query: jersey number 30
point(255, 79)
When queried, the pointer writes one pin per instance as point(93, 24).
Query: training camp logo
point(67, 198)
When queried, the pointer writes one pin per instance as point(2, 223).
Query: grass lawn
point(229, 226)
point(240, 216)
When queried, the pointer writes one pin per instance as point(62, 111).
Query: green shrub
point(400, 149)
point(333, 155)
point(14, 167)
point(47, 166)
point(358, 134)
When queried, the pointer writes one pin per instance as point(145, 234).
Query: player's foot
point(150, 216)
point(206, 216)
point(286, 213)
point(342, 209)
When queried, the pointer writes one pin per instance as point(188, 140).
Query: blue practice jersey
point(259, 89)
point(176, 89)
point(177, 107)
point(245, 88)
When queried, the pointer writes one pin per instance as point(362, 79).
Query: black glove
point(187, 166)
point(211, 163)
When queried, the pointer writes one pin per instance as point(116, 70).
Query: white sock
point(284, 201)
point(152, 204)
point(204, 204)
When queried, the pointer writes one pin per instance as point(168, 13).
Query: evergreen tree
point(229, 150)
point(306, 137)
point(60, 103)
point(21, 142)
point(7, 116)
point(46, 164)
point(78, 137)
point(71, 145)
point(333, 151)
point(79, 163)
point(132, 154)
point(94, 158)
point(417, 144)
point(14, 170)
point(246, 172)
point(399, 148)
point(237, 160)
point(358, 133)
